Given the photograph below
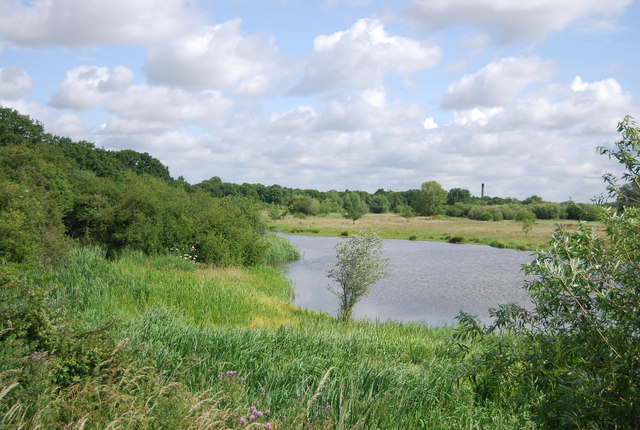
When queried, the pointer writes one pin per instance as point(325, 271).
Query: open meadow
point(503, 234)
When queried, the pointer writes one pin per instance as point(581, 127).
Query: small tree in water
point(359, 265)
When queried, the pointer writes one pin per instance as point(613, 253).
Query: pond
point(430, 282)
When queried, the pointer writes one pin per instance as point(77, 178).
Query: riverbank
point(500, 234)
point(203, 347)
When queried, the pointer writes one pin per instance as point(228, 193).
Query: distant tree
point(328, 206)
point(532, 200)
point(527, 225)
point(359, 265)
point(275, 212)
point(274, 194)
point(458, 209)
point(629, 194)
point(458, 195)
point(379, 204)
point(406, 212)
point(432, 199)
point(306, 205)
point(143, 164)
point(354, 207)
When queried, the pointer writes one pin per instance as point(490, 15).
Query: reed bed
point(235, 333)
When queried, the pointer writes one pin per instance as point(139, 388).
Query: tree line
point(431, 199)
point(55, 192)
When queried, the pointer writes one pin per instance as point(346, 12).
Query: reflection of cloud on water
point(430, 281)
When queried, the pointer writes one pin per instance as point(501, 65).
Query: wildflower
point(267, 425)
point(38, 356)
point(253, 409)
point(253, 417)
point(243, 420)
point(328, 406)
point(259, 414)
point(267, 412)
point(261, 390)
point(298, 396)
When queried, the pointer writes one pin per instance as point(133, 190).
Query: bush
point(572, 357)
point(458, 210)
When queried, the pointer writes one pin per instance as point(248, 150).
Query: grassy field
point(215, 347)
point(505, 234)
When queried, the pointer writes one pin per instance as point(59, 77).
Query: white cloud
point(362, 56)
point(510, 21)
point(430, 124)
point(497, 83)
point(216, 57)
point(85, 87)
point(15, 82)
point(77, 23)
point(171, 105)
point(70, 125)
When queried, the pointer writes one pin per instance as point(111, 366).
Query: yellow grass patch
point(391, 226)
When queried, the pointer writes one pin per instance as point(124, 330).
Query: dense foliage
point(53, 191)
point(573, 356)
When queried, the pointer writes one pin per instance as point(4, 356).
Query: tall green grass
point(280, 249)
point(135, 283)
point(196, 324)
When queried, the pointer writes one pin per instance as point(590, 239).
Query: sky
point(336, 94)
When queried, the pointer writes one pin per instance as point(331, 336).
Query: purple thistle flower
point(267, 412)
point(267, 425)
point(253, 417)
point(259, 414)
point(243, 420)
point(253, 409)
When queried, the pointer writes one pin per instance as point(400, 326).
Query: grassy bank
point(503, 234)
point(209, 347)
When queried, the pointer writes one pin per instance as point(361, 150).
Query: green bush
point(572, 358)
point(458, 209)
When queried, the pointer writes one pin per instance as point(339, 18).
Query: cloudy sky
point(336, 94)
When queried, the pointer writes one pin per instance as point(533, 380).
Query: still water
point(430, 282)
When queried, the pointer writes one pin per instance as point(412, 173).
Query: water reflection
point(430, 281)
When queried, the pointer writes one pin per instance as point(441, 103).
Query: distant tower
point(482, 191)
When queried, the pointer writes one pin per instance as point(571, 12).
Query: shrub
point(359, 265)
point(458, 209)
point(572, 357)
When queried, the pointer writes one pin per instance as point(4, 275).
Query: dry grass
point(391, 226)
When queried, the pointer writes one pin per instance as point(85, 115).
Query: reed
point(280, 249)
point(235, 332)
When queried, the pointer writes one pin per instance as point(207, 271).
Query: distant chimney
point(482, 191)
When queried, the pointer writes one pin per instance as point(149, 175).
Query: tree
point(379, 204)
point(359, 265)
point(534, 199)
point(354, 207)
point(458, 195)
point(431, 199)
point(275, 212)
point(572, 357)
point(406, 212)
